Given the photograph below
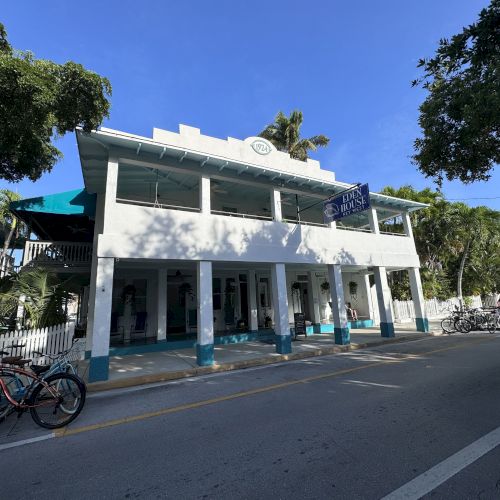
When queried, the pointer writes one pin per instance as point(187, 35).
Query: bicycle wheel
point(463, 325)
point(448, 325)
point(14, 386)
point(68, 406)
point(58, 401)
point(492, 323)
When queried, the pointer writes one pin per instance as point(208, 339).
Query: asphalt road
point(354, 425)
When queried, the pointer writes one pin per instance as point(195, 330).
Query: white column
point(384, 302)
point(205, 200)
point(341, 325)
point(313, 292)
point(253, 318)
point(417, 296)
point(407, 224)
point(110, 196)
point(99, 361)
point(276, 204)
point(162, 305)
point(369, 297)
point(205, 343)
point(280, 305)
point(98, 228)
point(373, 219)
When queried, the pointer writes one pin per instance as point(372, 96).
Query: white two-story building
point(186, 239)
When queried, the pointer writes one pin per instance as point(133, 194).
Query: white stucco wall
point(191, 138)
point(152, 233)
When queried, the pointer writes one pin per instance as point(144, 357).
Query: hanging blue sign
point(350, 202)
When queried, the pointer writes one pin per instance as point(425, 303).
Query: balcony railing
point(57, 253)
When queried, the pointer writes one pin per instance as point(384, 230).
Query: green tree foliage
point(45, 297)
point(460, 118)
point(284, 133)
point(11, 228)
point(40, 100)
point(458, 245)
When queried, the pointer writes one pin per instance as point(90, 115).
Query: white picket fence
point(404, 310)
point(51, 340)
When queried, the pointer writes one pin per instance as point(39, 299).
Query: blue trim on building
point(342, 336)
point(205, 354)
point(422, 325)
point(283, 344)
point(99, 368)
point(387, 329)
point(361, 323)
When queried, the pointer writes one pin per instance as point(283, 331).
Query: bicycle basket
point(77, 351)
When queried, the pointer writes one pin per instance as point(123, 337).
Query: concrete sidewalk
point(139, 369)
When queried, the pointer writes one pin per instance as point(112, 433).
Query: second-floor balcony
point(63, 255)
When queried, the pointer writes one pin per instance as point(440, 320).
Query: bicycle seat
point(21, 362)
point(11, 359)
point(39, 369)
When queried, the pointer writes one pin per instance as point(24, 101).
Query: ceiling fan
point(216, 188)
point(178, 277)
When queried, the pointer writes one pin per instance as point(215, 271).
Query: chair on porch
point(115, 332)
point(140, 325)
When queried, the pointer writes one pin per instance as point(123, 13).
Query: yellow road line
point(198, 404)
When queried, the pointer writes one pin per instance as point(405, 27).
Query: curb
point(241, 365)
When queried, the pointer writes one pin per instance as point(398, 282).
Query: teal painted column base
point(422, 325)
point(205, 354)
point(283, 344)
point(387, 329)
point(342, 335)
point(99, 368)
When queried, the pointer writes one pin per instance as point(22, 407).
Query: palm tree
point(8, 222)
point(44, 297)
point(284, 133)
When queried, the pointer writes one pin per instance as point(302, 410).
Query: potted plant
point(128, 294)
point(268, 322)
point(295, 293)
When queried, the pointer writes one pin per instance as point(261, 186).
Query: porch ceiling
point(190, 266)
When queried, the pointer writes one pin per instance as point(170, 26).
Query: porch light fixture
point(181, 159)
point(204, 162)
point(138, 148)
point(162, 154)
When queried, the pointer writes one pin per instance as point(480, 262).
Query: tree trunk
point(3, 260)
point(461, 272)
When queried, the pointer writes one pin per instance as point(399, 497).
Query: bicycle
point(54, 400)
point(61, 363)
point(456, 322)
point(494, 320)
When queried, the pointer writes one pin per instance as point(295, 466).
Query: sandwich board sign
point(347, 203)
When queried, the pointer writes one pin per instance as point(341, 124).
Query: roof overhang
point(95, 149)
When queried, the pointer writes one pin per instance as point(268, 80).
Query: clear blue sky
point(227, 67)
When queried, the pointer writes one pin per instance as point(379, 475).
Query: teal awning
point(76, 202)
point(66, 216)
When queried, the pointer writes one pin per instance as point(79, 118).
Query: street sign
point(350, 202)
